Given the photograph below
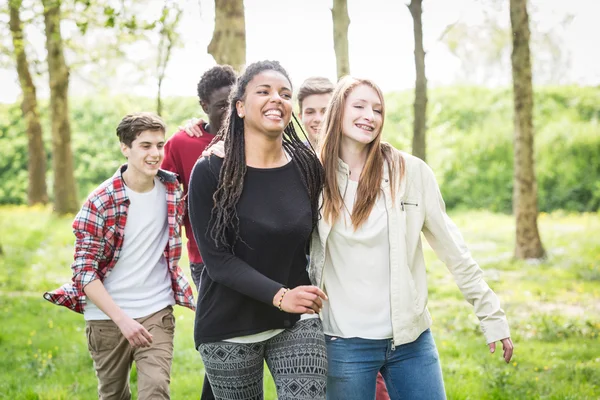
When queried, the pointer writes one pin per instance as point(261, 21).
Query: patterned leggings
point(297, 359)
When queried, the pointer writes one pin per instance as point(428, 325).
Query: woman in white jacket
point(367, 256)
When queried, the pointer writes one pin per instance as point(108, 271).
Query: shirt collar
point(166, 177)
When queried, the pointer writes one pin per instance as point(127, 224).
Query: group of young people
point(306, 254)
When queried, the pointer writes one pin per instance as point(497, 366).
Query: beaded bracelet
point(285, 290)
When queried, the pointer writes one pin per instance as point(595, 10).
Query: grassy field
point(553, 309)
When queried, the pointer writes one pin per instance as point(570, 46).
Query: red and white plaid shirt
point(99, 229)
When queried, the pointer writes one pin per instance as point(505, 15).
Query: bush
point(469, 143)
point(94, 143)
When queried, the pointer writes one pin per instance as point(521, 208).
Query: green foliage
point(470, 134)
point(94, 142)
point(469, 143)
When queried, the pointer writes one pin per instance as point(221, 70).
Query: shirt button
point(287, 323)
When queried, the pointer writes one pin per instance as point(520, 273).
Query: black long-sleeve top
point(238, 285)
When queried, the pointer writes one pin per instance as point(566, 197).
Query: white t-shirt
point(265, 335)
point(357, 274)
point(140, 283)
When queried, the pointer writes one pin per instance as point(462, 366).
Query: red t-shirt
point(181, 154)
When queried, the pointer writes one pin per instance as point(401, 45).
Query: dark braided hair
point(224, 218)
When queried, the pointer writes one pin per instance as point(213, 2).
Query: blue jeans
point(410, 371)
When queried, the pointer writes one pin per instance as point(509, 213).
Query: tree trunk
point(159, 98)
point(527, 243)
point(420, 107)
point(37, 192)
point(65, 194)
point(168, 36)
point(228, 44)
point(341, 21)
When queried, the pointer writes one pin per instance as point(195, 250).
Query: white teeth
point(276, 113)
point(365, 127)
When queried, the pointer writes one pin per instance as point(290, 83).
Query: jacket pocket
point(414, 291)
point(168, 322)
point(101, 336)
point(410, 205)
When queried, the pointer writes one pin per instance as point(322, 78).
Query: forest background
point(455, 77)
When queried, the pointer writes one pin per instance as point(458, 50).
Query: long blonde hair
point(369, 182)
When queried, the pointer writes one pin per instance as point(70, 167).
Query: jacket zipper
point(391, 302)
point(403, 203)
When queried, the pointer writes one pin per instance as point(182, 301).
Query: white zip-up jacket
point(418, 207)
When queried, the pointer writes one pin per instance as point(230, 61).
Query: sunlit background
point(467, 42)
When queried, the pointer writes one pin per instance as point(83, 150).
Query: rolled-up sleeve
point(88, 228)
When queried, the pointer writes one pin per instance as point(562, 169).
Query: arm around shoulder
point(169, 161)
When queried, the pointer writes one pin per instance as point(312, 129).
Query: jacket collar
point(344, 169)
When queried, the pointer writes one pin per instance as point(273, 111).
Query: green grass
point(553, 309)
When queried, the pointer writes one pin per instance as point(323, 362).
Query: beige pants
point(113, 356)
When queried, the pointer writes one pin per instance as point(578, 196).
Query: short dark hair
point(314, 85)
point(133, 124)
point(215, 78)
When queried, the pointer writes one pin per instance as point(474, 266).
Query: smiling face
point(145, 154)
point(267, 104)
point(216, 107)
point(312, 113)
point(363, 115)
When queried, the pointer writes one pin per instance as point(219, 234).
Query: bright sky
point(298, 33)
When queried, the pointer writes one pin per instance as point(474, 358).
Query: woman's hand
point(507, 346)
point(193, 127)
point(300, 300)
point(218, 149)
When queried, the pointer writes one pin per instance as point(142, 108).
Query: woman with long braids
point(252, 215)
point(367, 256)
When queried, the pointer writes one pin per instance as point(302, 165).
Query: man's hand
point(193, 127)
point(134, 332)
point(218, 149)
point(507, 346)
point(301, 300)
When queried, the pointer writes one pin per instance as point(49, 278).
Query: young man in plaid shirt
point(125, 273)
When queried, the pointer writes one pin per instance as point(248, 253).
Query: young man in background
point(313, 97)
point(182, 151)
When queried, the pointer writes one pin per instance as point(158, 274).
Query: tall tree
point(171, 14)
point(228, 44)
point(420, 106)
point(528, 243)
point(341, 22)
point(65, 193)
point(37, 192)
